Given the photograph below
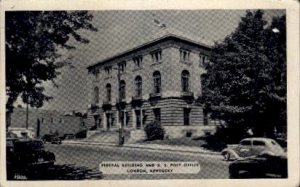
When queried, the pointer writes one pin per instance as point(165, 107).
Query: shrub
point(224, 136)
point(154, 131)
point(81, 134)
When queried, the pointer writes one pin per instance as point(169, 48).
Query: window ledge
point(108, 77)
point(137, 69)
point(186, 62)
point(156, 63)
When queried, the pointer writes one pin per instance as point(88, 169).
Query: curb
point(140, 147)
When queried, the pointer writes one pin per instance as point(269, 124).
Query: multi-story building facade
point(159, 80)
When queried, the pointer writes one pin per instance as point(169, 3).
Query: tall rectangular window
point(108, 92)
point(186, 116)
point(184, 55)
point(96, 95)
point(157, 82)
point(185, 76)
point(138, 86)
point(156, 56)
point(109, 120)
point(137, 61)
point(122, 89)
point(157, 116)
point(108, 70)
point(202, 59)
point(122, 67)
point(138, 119)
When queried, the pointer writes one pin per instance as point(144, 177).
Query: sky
point(119, 31)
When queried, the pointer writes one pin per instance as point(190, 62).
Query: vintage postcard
point(156, 93)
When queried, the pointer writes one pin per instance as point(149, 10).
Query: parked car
point(27, 156)
point(68, 136)
point(54, 139)
point(259, 166)
point(251, 147)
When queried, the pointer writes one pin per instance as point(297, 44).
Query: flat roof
point(164, 34)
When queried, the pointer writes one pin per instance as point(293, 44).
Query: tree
point(33, 41)
point(245, 82)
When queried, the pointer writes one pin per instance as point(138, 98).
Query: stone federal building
point(159, 80)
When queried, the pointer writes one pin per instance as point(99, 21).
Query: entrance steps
point(136, 135)
point(103, 136)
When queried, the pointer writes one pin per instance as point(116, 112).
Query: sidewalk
point(185, 149)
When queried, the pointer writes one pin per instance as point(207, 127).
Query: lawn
point(183, 141)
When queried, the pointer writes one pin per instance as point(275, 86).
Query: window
point(51, 120)
point(60, 120)
point(96, 74)
point(246, 142)
point(184, 55)
point(156, 56)
point(186, 116)
point(138, 119)
point(96, 95)
point(122, 67)
point(108, 70)
point(202, 83)
point(185, 75)
point(156, 112)
point(124, 118)
point(108, 92)
point(137, 61)
point(258, 143)
point(157, 82)
point(122, 89)
point(202, 59)
point(109, 120)
point(138, 86)
point(42, 120)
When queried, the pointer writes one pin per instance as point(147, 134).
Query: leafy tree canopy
point(33, 41)
point(245, 82)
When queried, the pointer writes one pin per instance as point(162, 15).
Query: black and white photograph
point(112, 95)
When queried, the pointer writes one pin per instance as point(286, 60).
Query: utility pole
point(26, 115)
point(121, 128)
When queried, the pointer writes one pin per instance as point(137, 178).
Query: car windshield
point(29, 145)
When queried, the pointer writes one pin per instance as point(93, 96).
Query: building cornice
point(149, 43)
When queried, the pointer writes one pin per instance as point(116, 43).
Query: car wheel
point(226, 156)
point(234, 174)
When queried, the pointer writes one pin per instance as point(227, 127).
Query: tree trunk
point(8, 120)
point(26, 116)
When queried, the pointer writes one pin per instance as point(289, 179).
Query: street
point(88, 156)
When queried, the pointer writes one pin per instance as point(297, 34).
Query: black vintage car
point(27, 157)
point(54, 139)
point(264, 165)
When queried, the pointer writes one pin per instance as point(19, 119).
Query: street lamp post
point(121, 136)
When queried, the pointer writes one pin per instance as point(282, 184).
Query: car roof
point(259, 139)
point(29, 140)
